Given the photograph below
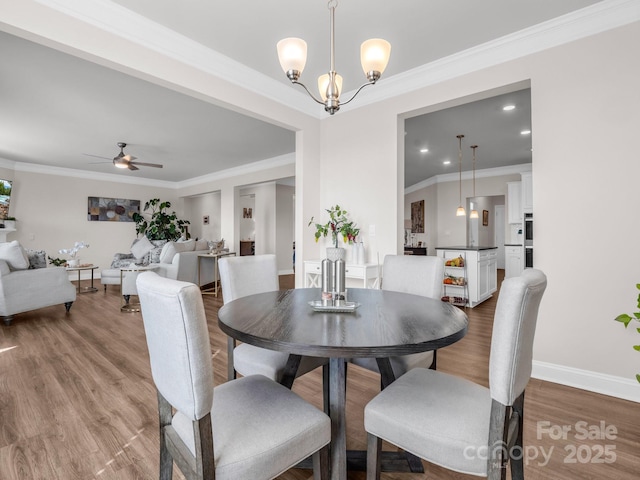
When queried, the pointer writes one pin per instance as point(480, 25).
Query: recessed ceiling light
point(508, 108)
point(446, 162)
point(525, 132)
point(424, 150)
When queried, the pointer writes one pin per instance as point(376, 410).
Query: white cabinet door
point(527, 192)
point(514, 202)
point(514, 261)
point(483, 279)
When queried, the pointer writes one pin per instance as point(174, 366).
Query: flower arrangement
point(338, 224)
point(72, 252)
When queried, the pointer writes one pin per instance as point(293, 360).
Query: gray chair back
point(178, 340)
point(514, 328)
point(248, 275)
point(418, 275)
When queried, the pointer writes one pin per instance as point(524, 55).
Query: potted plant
point(72, 252)
point(338, 225)
point(160, 225)
point(626, 320)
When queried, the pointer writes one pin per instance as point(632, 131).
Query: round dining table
point(384, 324)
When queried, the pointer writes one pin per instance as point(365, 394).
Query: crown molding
point(288, 159)
point(468, 175)
point(115, 19)
point(282, 160)
point(597, 18)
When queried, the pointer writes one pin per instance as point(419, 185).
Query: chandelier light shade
point(474, 212)
point(374, 57)
point(461, 212)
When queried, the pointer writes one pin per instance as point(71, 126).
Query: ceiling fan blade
point(132, 167)
point(96, 156)
point(142, 164)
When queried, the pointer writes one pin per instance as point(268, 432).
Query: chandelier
point(292, 53)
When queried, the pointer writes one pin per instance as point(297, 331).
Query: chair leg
point(8, 319)
point(498, 430)
point(67, 306)
point(321, 464)
point(374, 452)
point(517, 462)
point(164, 416)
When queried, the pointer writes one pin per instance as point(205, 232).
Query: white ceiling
point(56, 107)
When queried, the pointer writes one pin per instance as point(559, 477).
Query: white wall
point(195, 208)
point(585, 116)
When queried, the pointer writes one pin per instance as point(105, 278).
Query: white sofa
point(30, 289)
point(177, 260)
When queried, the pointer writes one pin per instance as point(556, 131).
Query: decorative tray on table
point(348, 307)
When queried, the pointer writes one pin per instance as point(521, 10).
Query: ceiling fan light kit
point(127, 161)
point(374, 57)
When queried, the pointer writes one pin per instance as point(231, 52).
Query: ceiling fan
point(127, 161)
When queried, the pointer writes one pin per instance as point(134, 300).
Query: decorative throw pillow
point(202, 245)
point(122, 260)
point(154, 255)
point(14, 255)
point(141, 247)
point(37, 259)
point(185, 245)
point(168, 252)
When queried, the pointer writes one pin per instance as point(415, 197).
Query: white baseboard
point(286, 272)
point(625, 388)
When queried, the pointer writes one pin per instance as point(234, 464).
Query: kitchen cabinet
point(481, 271)
point(514, 260)
point(514, 202)
point(527, 192)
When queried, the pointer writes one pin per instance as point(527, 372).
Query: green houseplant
point(161, 224)
point(338, 224)
point(626, 320)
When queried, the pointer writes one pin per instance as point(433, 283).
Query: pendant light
point(461, 212)
point(474, 212)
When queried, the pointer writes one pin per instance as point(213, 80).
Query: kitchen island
point(479, 270)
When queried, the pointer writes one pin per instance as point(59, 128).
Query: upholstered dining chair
point(249, 275)
point(418, 275)
point(250, 428)
point(458, 424)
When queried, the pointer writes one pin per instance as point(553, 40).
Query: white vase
point(334, 253)
point(74, 262)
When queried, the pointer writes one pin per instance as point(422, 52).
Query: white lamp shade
point(461, 212)
point(292, 53)
point(374, 55)
point(473, 214)
point(323, 83)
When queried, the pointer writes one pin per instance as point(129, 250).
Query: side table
point(214, 257)
point(79, 270)
point(126, 306)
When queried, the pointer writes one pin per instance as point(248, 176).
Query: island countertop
point(467, 247)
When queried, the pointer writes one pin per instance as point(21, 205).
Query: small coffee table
point(215, 257)
point(127, 306)
point(80, 269)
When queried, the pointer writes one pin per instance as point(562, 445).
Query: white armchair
point(30, 289)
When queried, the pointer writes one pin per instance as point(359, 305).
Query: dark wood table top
point(386, 323)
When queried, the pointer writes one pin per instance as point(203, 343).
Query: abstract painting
point(112, 209)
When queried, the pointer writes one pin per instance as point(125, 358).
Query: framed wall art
point(485, 218)
point(101, 209)
point(417, 217)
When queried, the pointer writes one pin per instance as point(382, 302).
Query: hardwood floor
point(77, 401)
